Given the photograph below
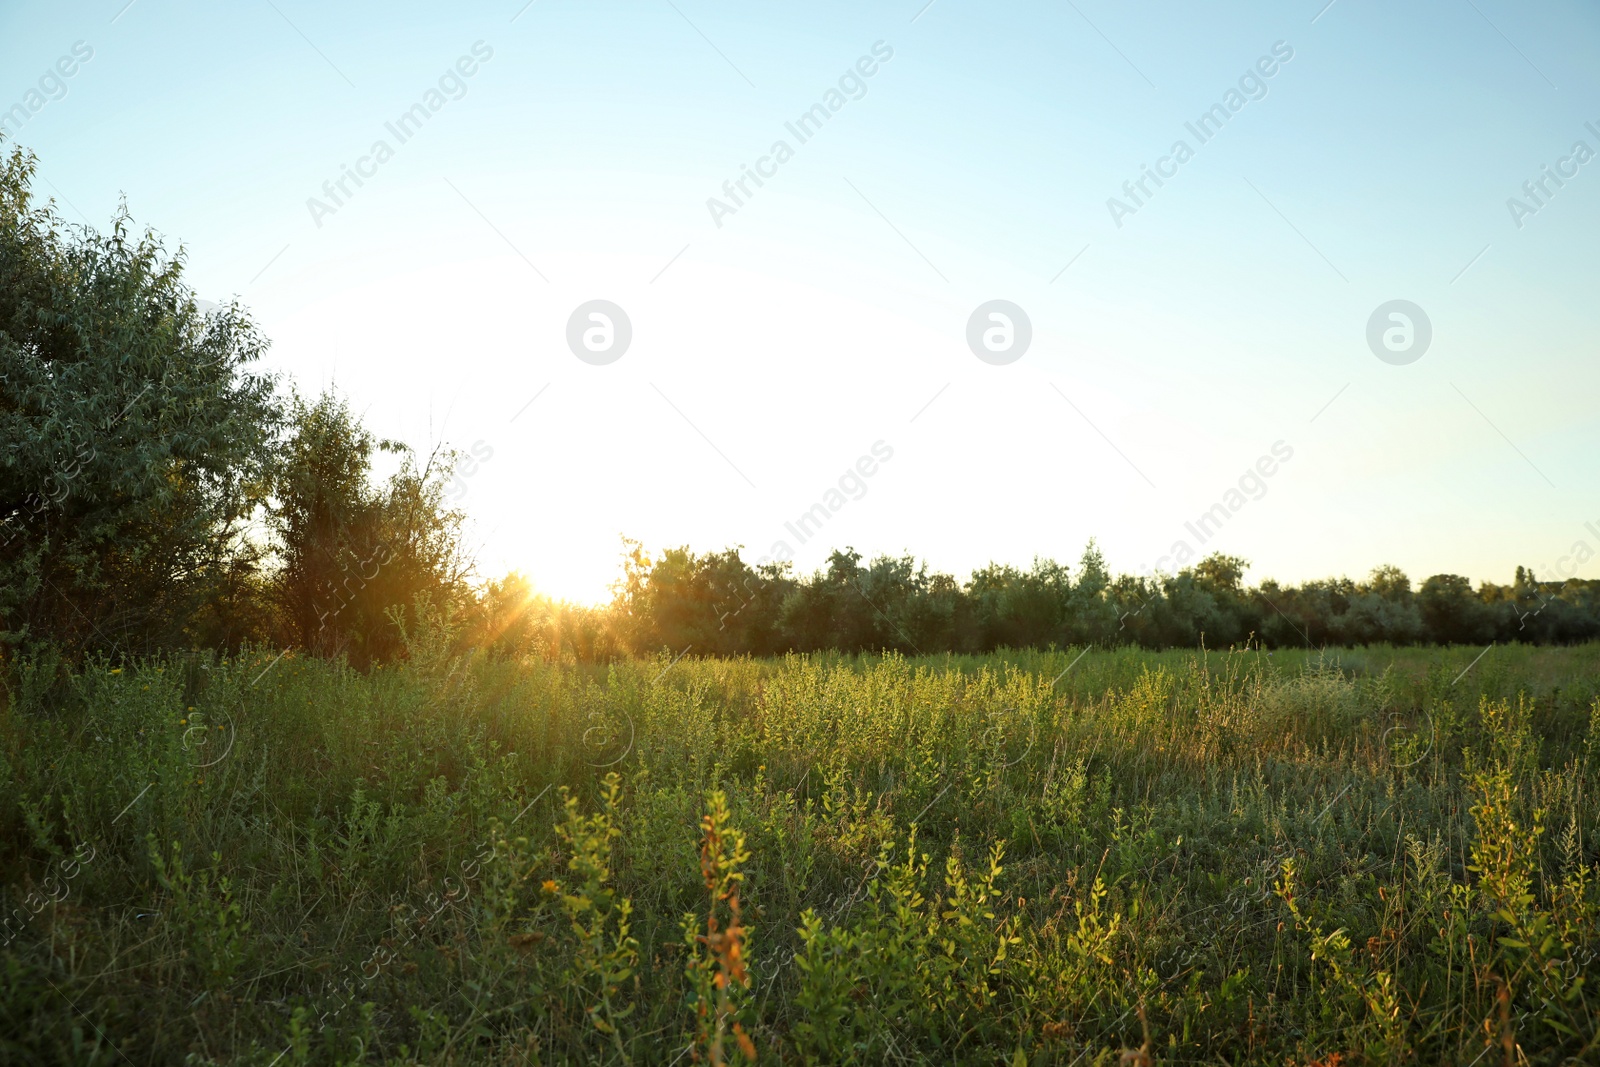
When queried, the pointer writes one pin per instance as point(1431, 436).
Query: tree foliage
point(137, 434)
point(156, 488)
point(718, 604)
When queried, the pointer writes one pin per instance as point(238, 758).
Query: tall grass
point(1370, 856)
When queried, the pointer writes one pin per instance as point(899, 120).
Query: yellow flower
point(116, 670)
point(550, 885)
point(183, 722)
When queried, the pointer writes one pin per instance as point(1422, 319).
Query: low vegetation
point(1366, 857)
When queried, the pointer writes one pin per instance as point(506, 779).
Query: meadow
point(1070, 857)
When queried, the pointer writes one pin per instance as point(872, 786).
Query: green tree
point(1094, 616)
point(1452, 614)
point(135, 437)
point(1021, 609)
point(351, 550)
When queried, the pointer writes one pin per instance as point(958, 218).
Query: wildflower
point(550, 885)
point(116, 670)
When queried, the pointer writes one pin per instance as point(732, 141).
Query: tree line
point(717, 603)
point(160, 491)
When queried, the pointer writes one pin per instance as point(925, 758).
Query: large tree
point(134, 434)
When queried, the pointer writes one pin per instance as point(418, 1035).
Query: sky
point(1226, 342)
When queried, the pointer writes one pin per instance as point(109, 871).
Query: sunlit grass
point(1377, 854)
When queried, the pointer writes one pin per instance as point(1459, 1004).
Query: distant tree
point(909, 608)
point(1221, 573)
point(1452, 614)
point(1022, 609)
point(829, 610)
point(135, 438)
point(992, 593)
point(1143, 614)
point(1382, 609)
point(713, 604)
point(1092, 616)
point(1289, 617)
point(1218, 606)
point(509, 619)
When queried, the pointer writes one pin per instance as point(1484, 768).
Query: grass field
point(1367, 856)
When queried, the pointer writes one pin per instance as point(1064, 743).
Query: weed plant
point(1373, 856)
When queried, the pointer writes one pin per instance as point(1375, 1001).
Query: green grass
point(1376, 854)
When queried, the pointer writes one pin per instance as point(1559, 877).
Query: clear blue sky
point(1227, 313)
